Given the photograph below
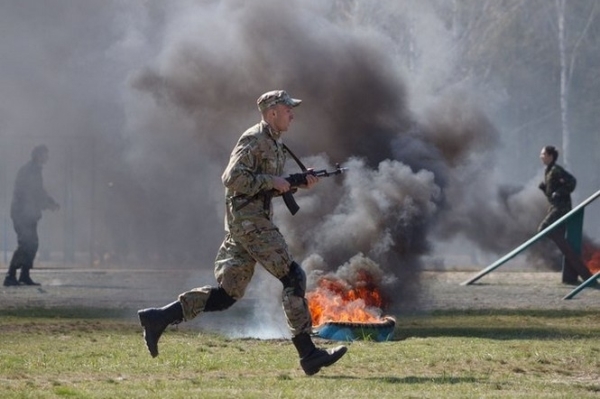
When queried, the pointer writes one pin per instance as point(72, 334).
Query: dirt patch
point(121, 292)
point(137, 288)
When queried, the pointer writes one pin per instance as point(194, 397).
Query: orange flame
point(336, 300)
point(591, 257)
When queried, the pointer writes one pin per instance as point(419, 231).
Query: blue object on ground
point(347, 331)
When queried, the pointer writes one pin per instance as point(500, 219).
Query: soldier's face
point(545, 157)
point(282, 117)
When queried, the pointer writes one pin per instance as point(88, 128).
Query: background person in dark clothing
point(557, 186)
point(29, 199)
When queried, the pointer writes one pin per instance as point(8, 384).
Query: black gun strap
point(286, 148)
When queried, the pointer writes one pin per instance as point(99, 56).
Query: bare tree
point(560, 11)
point(567, 67)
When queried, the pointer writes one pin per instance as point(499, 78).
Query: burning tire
point(351, 331)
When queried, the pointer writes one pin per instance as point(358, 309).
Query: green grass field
point(85, 353)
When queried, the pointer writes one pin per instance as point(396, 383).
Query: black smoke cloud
point(354, 108)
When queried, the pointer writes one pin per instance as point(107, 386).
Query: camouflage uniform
point(557, 193)
point(251, 235)
point(251, 238)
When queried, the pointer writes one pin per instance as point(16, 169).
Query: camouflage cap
point(275, 97)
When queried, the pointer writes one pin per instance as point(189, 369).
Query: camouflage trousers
point(234, 268)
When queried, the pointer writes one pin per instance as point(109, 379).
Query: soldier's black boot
point(312, 359)
point(25, 279)
point(156, 320)
point(11, 278)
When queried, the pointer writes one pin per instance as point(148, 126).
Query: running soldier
point(255, 169)
point(557, 186)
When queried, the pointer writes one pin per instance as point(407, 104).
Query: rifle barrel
point(325, 173)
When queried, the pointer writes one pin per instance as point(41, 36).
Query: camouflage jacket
point(555, 186)
point(256, 158)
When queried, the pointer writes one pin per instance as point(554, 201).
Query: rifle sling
point(300, 164)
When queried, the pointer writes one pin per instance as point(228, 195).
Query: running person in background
point(557, 186)
point(255, 167)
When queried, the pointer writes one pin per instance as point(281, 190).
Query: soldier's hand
point(280, 184)
point(542, 186)
point(311, 180)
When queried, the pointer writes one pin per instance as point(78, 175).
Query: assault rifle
point(296, 180)
point(299, 179)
